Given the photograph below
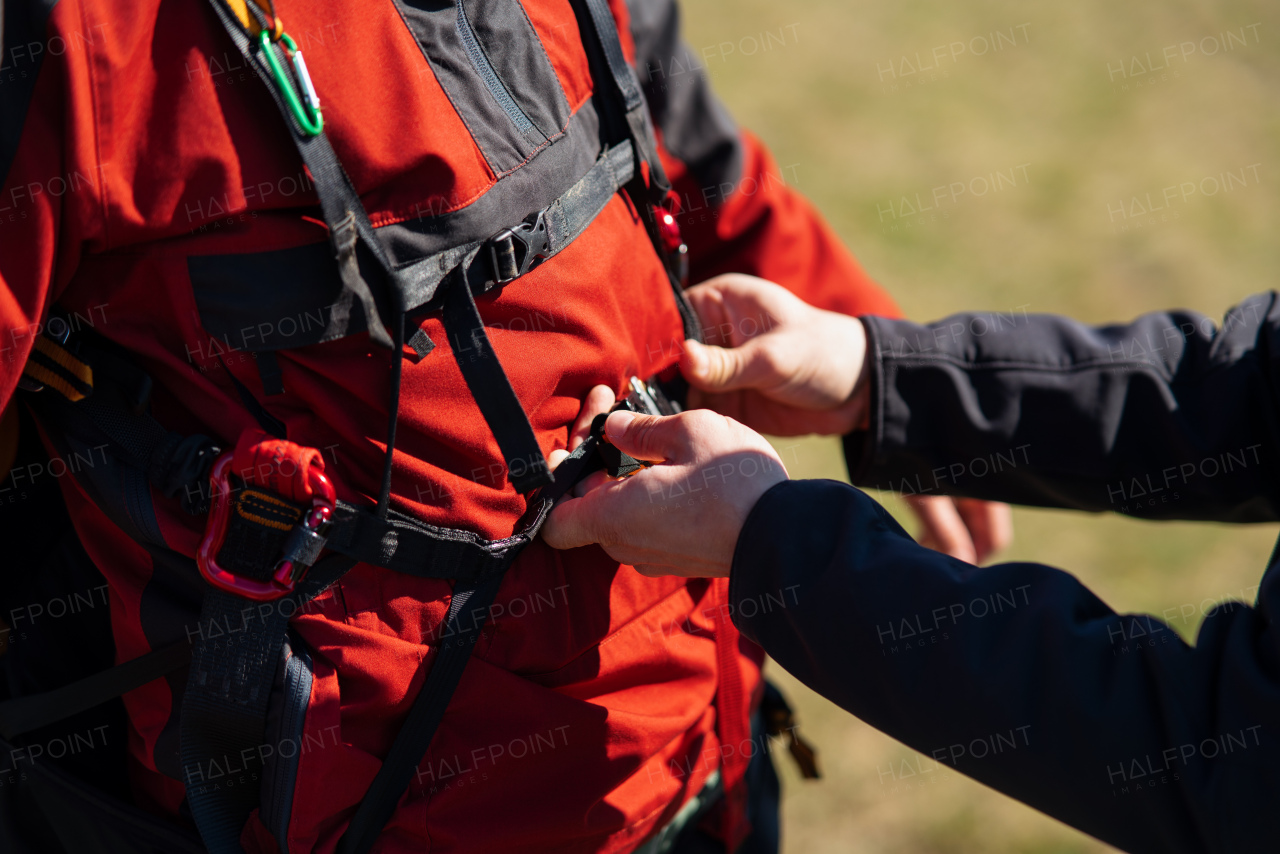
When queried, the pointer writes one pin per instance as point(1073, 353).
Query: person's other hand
point(965, 528)
point(599, 400)
point(683, 515)
point(783, 367)
point(773, 362)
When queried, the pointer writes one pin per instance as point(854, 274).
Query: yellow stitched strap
point(54, 366)
point(266, 509)
point(63, 358)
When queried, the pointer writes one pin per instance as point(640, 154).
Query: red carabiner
point(285, 577)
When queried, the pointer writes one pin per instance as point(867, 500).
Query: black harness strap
point(24, 714)
point(419, 728)
point(224, 710)
point(628, 87)
point(402, 544)
point(340, 203)
point(473, 597)
point(526, 466)
point(515, 251)
point(606, 49)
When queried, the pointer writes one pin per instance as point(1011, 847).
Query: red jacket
point(133, 139)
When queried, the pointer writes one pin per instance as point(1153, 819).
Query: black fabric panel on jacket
point(695, 126)
point(493, 74)
point(24, 46)
point(530, 188)
point(273, 300)
point(513, 48)
point(286, 298)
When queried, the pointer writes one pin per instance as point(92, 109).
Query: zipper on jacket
point(490, 77)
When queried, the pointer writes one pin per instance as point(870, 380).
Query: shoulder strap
point(626, 87)
point(350, 229)
point(609, 65)
point(343, 211)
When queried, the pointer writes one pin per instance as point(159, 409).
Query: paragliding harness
point(274, 542)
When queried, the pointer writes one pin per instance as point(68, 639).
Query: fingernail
point(618, 422)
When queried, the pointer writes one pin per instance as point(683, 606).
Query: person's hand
point(965, 528)
point(683, 515)
point(598, 401)
point(774, 362)
point(785, 368)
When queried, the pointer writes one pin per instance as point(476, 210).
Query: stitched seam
point(422, 50)
point(285, 516)
point(405, 215)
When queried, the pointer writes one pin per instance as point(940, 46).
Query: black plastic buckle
point(515, 251)
point(645, 398)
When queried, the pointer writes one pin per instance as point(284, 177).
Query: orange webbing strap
point(733, 723)
point(252, 20)
point(53, 366)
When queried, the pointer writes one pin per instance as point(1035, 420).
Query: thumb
point(646, 437)
point(715, 369)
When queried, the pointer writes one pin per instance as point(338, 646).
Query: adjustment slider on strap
point(515, 251)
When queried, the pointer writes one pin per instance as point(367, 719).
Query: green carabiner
point(307, 114)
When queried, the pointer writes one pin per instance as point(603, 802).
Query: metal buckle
point(649, 399)
point(514, 251)
point(287, 572)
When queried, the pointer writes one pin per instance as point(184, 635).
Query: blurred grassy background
point(857, 132)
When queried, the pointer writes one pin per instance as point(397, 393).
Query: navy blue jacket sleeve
point(1021, 678)
point(1169, 417)
point(1016, 674)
